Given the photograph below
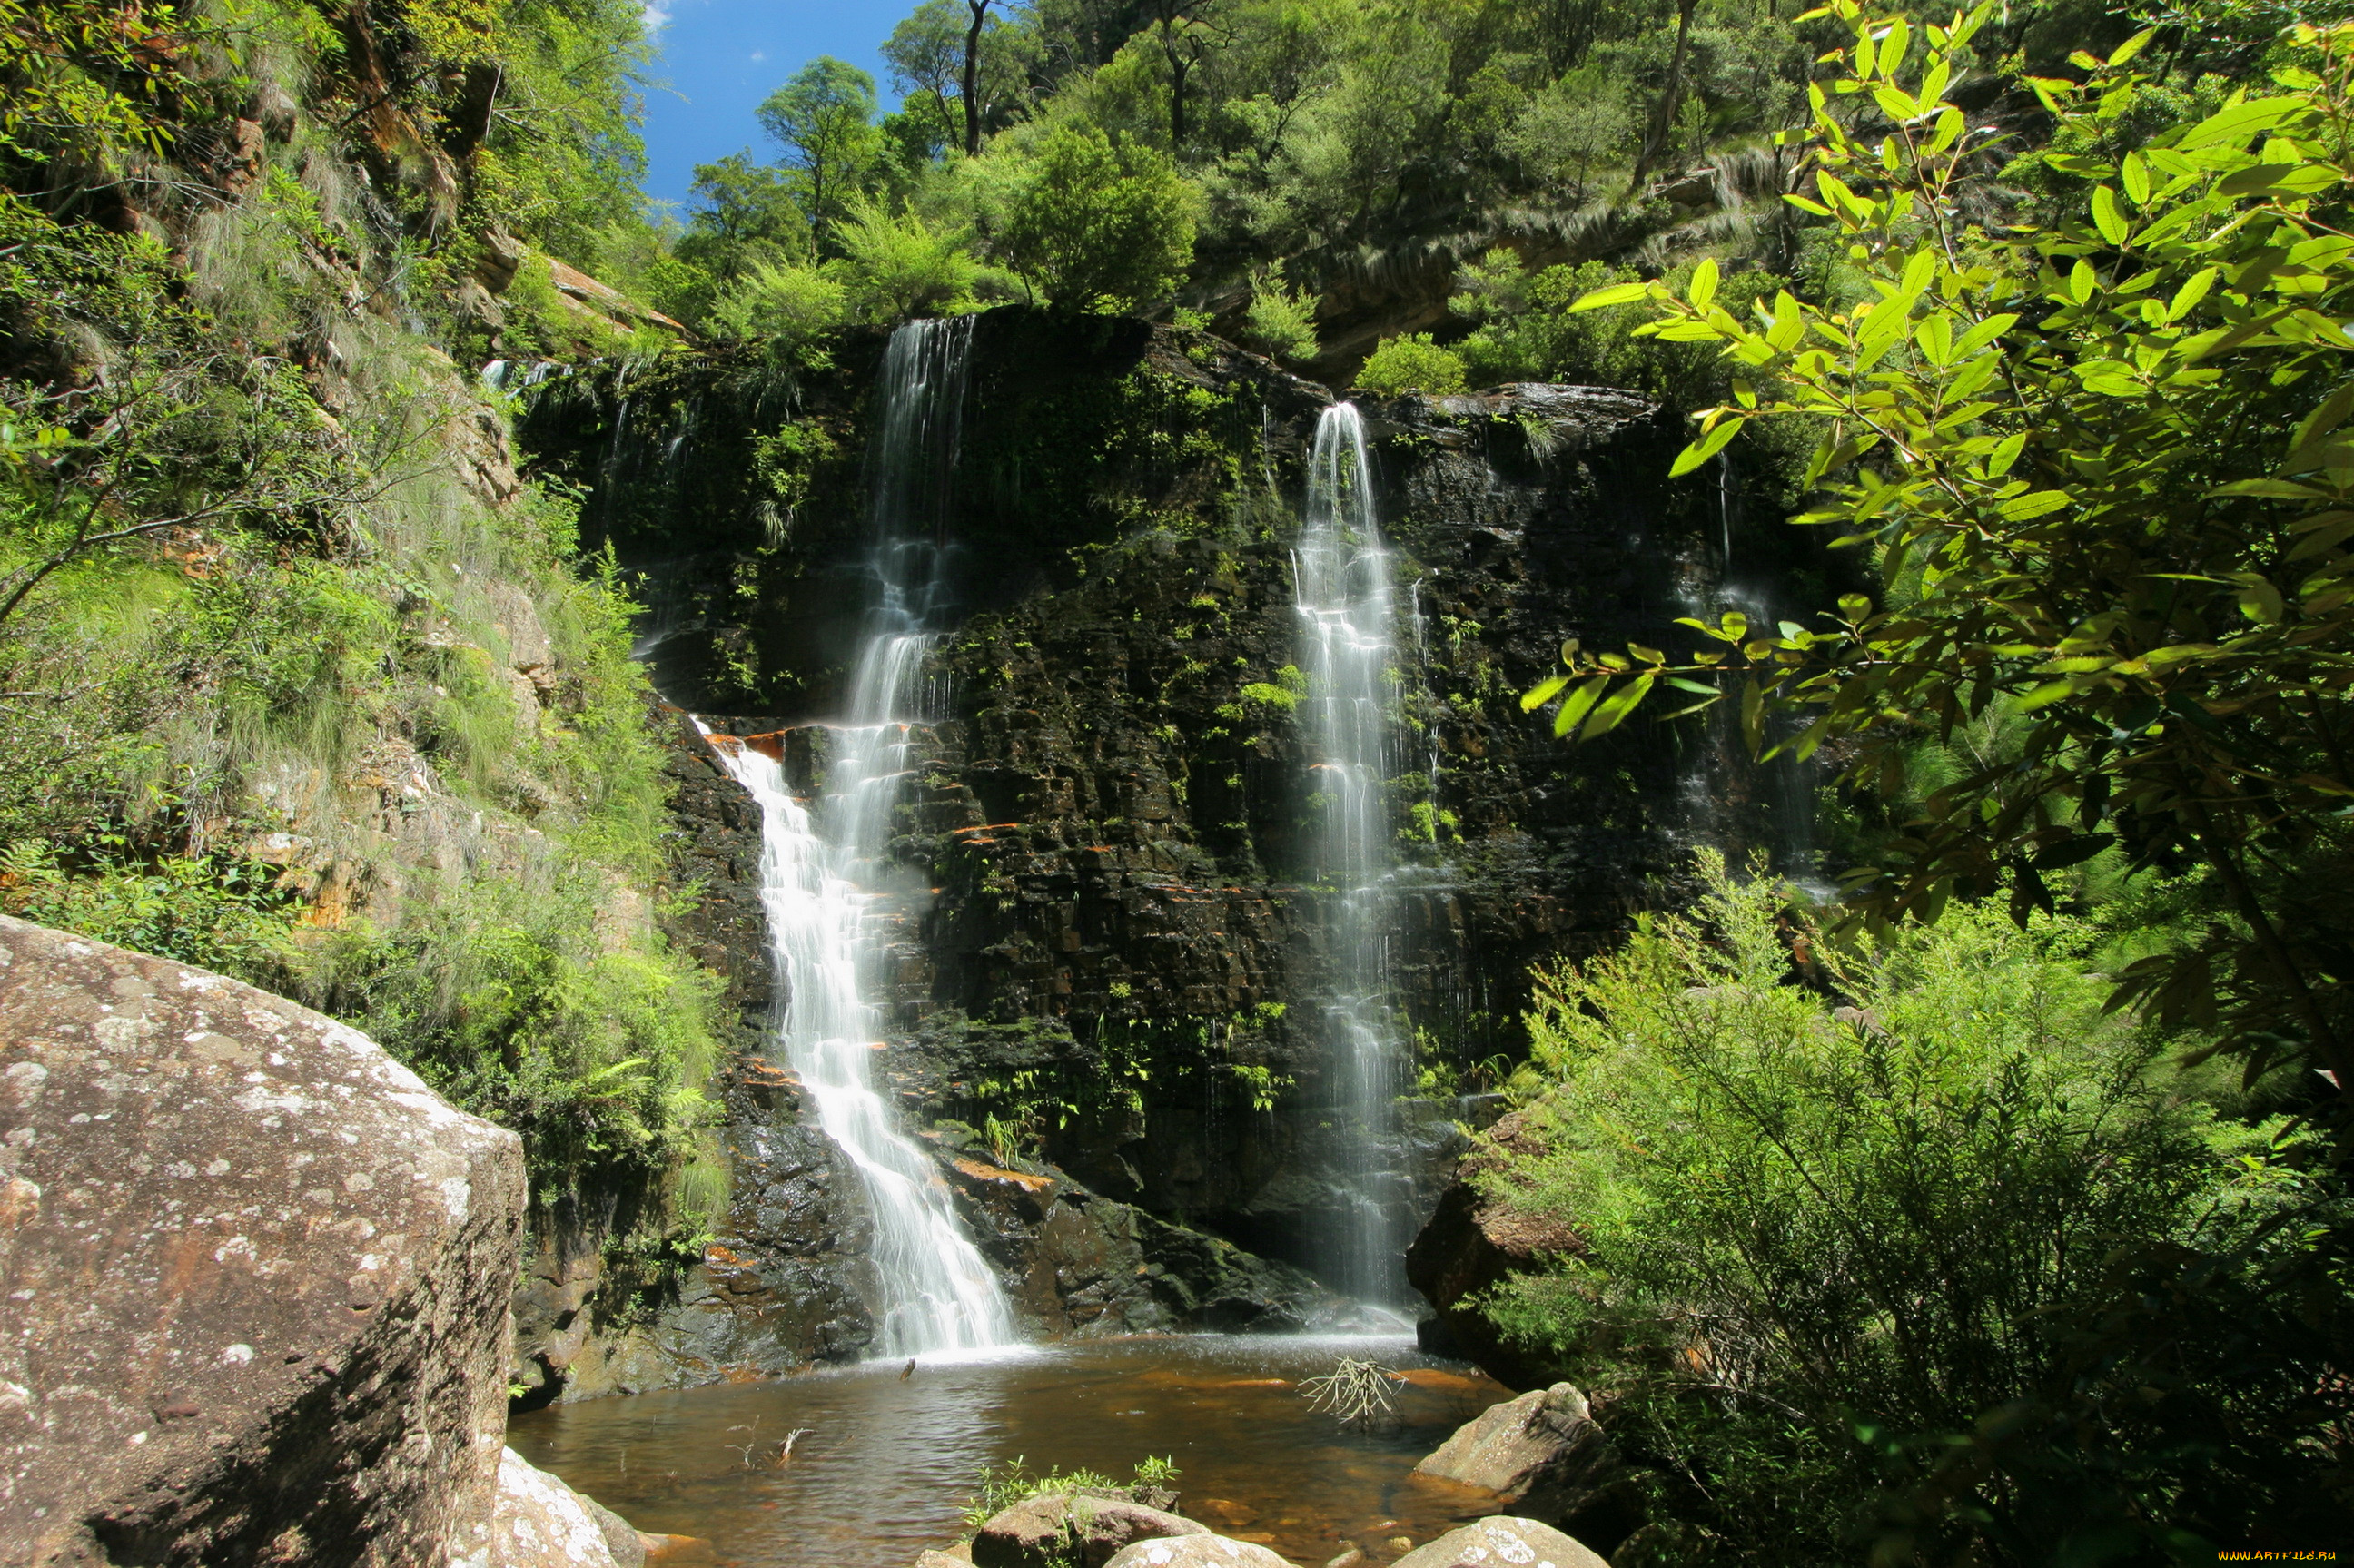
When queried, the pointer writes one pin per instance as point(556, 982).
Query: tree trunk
point(1664, 122)
point(979, 9)
point(1177, 68)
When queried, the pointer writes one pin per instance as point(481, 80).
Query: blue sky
point(720, 57)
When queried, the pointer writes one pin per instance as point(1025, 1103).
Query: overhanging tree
point(2107, 473)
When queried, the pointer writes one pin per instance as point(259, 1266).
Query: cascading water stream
point(818, 869)
point(1347, 651)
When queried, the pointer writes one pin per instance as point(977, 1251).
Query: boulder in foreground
point(253, 1277)
point(1502, 1542)
point(1196, 1552)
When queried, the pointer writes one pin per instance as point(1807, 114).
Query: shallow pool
point(885, 1463)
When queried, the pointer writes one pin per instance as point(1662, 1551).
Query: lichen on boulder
point(253, 1277)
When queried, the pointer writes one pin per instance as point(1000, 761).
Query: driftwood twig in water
point(1356, 1391)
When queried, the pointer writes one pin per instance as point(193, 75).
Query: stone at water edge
point(1196, 1551)
point(943, 1559)
point(1048, 1530)
point(540, 1522)
point(1509, 1446)
point(1503, 1543)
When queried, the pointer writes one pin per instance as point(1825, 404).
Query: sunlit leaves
point(2107, 461)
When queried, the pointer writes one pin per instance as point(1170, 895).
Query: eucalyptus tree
point(825, 119)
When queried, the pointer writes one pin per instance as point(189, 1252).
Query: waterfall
point(819, 870)
point(1347, 653)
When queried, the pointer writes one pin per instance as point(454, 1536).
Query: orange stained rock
point(1027, 1182)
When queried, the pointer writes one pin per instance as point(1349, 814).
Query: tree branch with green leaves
point(2104, 474)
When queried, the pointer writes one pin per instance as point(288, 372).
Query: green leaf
point(1616, 294)
point(1702, 292)
point(1707, 446)
point(1985, 333)
point(2074, 851)
point(2190, 294)
point(1611, 713)
point(2242, 121)
point(2034, 504)
point(2135, 174)
point(1575, 707)
point(2281, 179)
point(2271, 489)
point(2110, 221)
point(2131, 47)
point(2044, 696)
point(1543, 692)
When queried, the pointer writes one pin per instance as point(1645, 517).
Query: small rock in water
point(1196, 1552)
point(942, 1559)
point(1048, 1530)
point(1353, 1558)
point(1503, 1543)
point(1400, 1543)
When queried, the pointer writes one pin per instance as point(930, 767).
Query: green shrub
point(895, 265)
point(214, 911)
point(1412, 364)
point(1822, 1245)
point(508, 998)
point(784, 304)
point(1282, 321)
point(1094, 222)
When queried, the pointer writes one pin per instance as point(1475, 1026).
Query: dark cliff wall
point(1106, 960)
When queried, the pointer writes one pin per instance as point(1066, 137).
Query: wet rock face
point(1113, 835)
point(715, 846)
point(1107, 934)
point(781, 1285)
point(256, 1277)
point(1081, 1264)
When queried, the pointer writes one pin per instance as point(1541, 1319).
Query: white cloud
point(653, 14)
point(758, 55)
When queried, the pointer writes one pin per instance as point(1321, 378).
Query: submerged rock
point(253, 1277)
point(1503, 1543)
point(1196, 1551)
point(1061, 1529)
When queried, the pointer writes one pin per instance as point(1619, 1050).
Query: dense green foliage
point(2100, 467)
point(1825, 1231)
point(296, 680)
point(1094, 221)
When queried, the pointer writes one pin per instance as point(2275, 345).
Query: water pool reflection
point(886, 1462)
